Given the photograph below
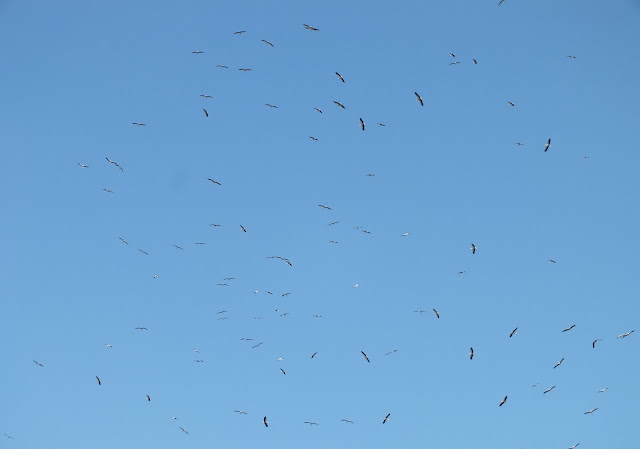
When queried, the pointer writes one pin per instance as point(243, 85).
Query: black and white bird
point(205, 112)
point(82, 165)
point(513, 332)
point(267, 42)
point(197, 52)
point(340, 77)
point(502, 402)
point(419, 98)
point(339, 104)
point(471, 353)
point(37, 363)
point(365, 357)
point(266, 423)
point(99, 381)
point(547, 146)
point(591, 411)
point(473, 248)
point(362, 124)
point(559, 363)
point(569, 328)
point(214, 181)
point(436, 313)
point(625, 335)
point(386, 418)
point(309, 27)
point(548, 390)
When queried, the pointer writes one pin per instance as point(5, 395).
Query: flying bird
point(547, 146)
point(245, 70)
point(571, 56)
point(471, 353)
point(339, 104)
point(340, 77)
point(625, 335)
point(324, 207)
point(559, 363)
point(386, 418)
point(452, 55)
point(436, 312)
point(309, 27)
point(577, 444)
point(205, 96)
point(314, 354)
point(37, 363)
point(499, 5)
point(271, 105)
point(548, 390)
point(552, 261)
point(99, 381)
point(419, 98)
point(362, 124)
point(148, 398)
point(513, 332)
point(365, 357)
point(283, 371)
point(178, 247)
point(243, 228)
point(240, 32)
point(475, 62)
point(318, 110)
point(241, 412)
point(267, 42)
point(123, 240)
point(143, 252)
point(591, 411)
point(222, 66)
point(214, 181)
point(183, 430)
point(347, 420)
point(454, 63)
point(312, 138)
point(603, 390)
point(569, 328)
point(82, 165)
point(197, 52)
point(142, 328)
point(502, 402)
point(205, 112)
point(139, 124)
point(311, 423)
point(266, 423)
point(473, 248)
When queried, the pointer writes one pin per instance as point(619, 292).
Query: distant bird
point(452, 55)
point(108, 345)
point(473, 248)
point(502, 402)
point(283, 371)
point(511, 103)
point(559, 363)
point(82, 165)
point(309, 27)
point(205, 112)
point(548, 390)
point(37, 363)
point(340, 77)
point(593, 344)
point(475, 62)
point(569, 328)
point(99, 381)
point(314, 354)
point(312, 138)
point(183, 430)
point(324, 207)
point(178, 247)
point(591, 411)
point(461, 272)
point(214, 224)
point(381, 124)
point(142, 328)
point(419, 98)
point(286, 294)
point(214, 181)
point(571, 56)
point(123, 241)
point(577, 444)
point(552, 261)
point(347, 420)
point(114, 163)
point(311, 423)
point(267, 42)
point(222, 66)
point(332, 241)
point(206, 96)
point(547, 146)
point(625, 335)
point(603, 390)
point(386, 418)
point(362, 124)
point(143, 252)
point(513, 332)
point(266, 423)
point(241, 412)
point(391, 352)
point(243, 228)
point(197, 52)
point(8, 436)
point(499, 5)
point(139, 124)
point(240, 32)
point(406, 234)
point(519, 144)
point(255, 346)
point(535, 385)
point(335, 222)
point(318, 110)
point(148, 398)
point(436, 312)
point(419, 311)
point(271, 105)
point(245, 70)
point(471, 353)
point(365, 357)
point(202, 243)
point(339, 104)
point(370, 174)
point(454, 63)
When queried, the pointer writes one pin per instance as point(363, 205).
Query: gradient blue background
point(76, 74)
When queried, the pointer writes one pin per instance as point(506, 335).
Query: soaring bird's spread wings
point(419, 98)
point(365, 357)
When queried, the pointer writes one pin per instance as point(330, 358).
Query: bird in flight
point(362, 124)
point(148, 398)
point(454, 63)
point(183, 430)
point(123, 241)
point(339, 104)
point(311, 423)
point(312, 138)
point(391, 352)
point(99, 381)
point(143, 252)
point(471, 353)
point(82, 165)
point(625, 335)
point(473, 248)
point(324, 207)
point(340, 77)
point(266, 423)
point(37, 363)
point(205, 112)
point(577, 444)
point(436, 312)
point(603, 390)
point(569, 328)
point(214, 181)
point(548, 390)
point(271, 105)
point(245, 70)
point(320, 111)
point(502, 402)
point(114, 163)
point(499, 5)
point(547, 146)
point(552, 261)
point(205, 96)
point(559, 363)
point(386, 418)
point(452, 55)
point(139, 124)
point(365, 357)
point(475, 62)
point(511, 103)
point(591, 411)
point(513, 332)
point(177, 247)
point(419, 98)
point(142, 328)
point(309, 27)
point(241, 412)
point(240, 32)
point(571, 56)
point(283, 371)
point(314, 354)
point(243, 228)
point(347, 420)
point(197, 52)
point(222, 66)
point(267, 42)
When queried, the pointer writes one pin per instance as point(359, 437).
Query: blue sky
point(76, 75)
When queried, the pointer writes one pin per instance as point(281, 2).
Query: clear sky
point(555, 232)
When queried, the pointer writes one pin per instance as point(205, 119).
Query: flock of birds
point(217, 184)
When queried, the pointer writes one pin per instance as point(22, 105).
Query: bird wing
point(362, 124)
point(419, 98)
